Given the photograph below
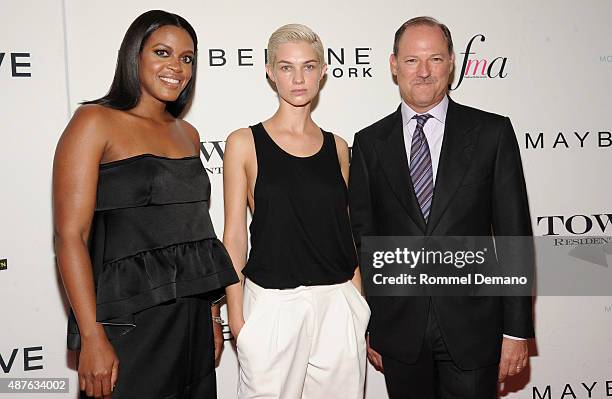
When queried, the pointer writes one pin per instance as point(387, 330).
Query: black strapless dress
point(157, 267)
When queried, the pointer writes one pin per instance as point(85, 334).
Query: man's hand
point(514, 356)
point(374, 357)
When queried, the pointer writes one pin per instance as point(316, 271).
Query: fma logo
point(18, 64)
point(343, 62)
point(474, 67)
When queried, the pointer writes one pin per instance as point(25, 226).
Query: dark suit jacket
point(479, 190)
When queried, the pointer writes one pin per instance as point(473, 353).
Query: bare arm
point(216, 308)
point(75, 177)
point(235, 191)
point(192, 132)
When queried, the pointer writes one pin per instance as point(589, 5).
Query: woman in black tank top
point(300, 287)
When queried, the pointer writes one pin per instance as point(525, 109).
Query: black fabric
point(479, 191)
point(152, 240)
point(169, 355)
point(300, 232)
point(435, 376)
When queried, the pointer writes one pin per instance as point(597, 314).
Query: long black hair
point(124, 92)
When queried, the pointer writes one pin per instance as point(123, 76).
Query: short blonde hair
point(292, 33)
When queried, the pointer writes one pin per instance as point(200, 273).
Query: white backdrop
point(557, 79)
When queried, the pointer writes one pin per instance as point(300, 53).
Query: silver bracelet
point(218, 320)
point(216, 301)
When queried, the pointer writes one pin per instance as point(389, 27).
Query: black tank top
point(300, 232)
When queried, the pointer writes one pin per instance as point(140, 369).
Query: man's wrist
point(514, 338)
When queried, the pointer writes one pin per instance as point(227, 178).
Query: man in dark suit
point(437, 168)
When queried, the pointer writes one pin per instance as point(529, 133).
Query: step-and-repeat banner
point(546, 66)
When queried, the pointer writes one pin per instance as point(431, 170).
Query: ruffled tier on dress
point(138, 282)
point(152, 240)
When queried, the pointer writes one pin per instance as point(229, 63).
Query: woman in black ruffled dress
point(134, 241)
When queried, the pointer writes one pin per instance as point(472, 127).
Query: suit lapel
point(394, 162)
point(458, 144)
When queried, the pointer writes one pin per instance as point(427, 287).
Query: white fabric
point(514, 338)
point(306, 342)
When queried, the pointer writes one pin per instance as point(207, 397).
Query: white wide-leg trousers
point(306, 342)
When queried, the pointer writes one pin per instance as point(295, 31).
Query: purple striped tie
point(420, 166)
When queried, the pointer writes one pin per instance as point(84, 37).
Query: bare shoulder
point(91, 124)
point(82, 145)
point(92, 116)
point(342, 149)
point(341, 144)
point(191, 131)
point(343, 155)
point(240, 140)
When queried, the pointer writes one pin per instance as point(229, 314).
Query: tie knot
point(421, 119)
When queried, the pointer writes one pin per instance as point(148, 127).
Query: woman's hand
point(217, 332)
point(236, 325)
point(98, 367)
point(239, 170)
point(75, 178)
point(218, 340)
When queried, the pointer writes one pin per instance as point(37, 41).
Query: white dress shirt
point(434, 133)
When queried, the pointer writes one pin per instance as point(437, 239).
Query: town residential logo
point(213, 156)
point(579, 224)
point(575, 138)
point(15, 65)
point(588, 237)
point(342, 62)
point(475, 66)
